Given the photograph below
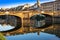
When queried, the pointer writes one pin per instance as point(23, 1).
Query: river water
point(34, 36)
point(50, 33)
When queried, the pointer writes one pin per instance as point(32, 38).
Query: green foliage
point(2, 37)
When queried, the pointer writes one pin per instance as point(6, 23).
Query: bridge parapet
point(22, 14)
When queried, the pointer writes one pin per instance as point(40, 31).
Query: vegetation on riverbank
point(2, 37)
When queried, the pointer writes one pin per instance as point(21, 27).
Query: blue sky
point(12, 3)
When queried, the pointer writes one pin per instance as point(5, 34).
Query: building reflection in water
point(38, 33)
point(52, 29)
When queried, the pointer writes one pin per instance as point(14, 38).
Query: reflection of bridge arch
point(47, 15)
point(18, 24)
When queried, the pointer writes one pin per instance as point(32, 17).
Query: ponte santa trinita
point(24, 12)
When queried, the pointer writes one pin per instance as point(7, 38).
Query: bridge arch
point(47, 15)
point(18, 25)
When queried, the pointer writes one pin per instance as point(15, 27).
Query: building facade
point(52, 7)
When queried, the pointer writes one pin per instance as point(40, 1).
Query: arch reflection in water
point(6, 27)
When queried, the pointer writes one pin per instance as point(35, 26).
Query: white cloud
point(47, 1)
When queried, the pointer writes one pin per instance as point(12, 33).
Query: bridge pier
point(22, 21)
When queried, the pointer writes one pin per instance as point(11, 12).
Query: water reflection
point(33, 36)
point(55, 30)
point(50, 32)
point(6, 27)
point(28, 33)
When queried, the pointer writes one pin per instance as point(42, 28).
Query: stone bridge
point(24, 16)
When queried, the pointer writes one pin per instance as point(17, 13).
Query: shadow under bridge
point(11, 20)
point(41, 20)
